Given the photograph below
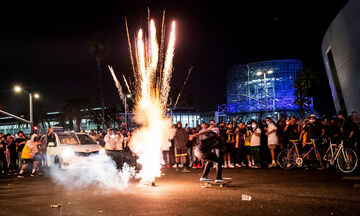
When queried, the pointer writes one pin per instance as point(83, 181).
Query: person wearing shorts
point(180, 140)
point(27, 155)
point(273, 140)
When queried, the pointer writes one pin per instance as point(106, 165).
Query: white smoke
point(99, 170)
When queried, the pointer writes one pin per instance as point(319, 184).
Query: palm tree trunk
point(100, 82)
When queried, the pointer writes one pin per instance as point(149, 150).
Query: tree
point(74, 109)
point(98, 49)
point(303, 84)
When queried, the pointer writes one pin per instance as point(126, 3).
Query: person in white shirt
point(110, 140)
point(273, 140)
point(255, 145)
point(113, 147)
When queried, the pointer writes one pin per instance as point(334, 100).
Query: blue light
point(246, 89)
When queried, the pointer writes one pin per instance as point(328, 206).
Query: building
point(341, 55)
point(187, 116)
point(262, 87)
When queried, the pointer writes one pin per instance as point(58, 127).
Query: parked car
point(69, 149)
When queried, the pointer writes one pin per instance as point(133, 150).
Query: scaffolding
point(252, 88)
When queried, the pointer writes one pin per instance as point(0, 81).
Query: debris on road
point(55, 206)
point(245, 197)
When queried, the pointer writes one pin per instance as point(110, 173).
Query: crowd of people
point(256, 143)
point(253, 144)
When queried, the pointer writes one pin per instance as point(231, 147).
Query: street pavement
point(273, 192)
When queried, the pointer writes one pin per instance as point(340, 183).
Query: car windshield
point(86, 139)
point(68, 138)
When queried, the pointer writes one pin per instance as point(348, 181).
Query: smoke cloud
point(99, 170)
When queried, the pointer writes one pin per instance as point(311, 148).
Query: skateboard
point(220, 184)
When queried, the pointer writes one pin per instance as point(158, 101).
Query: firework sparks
point(150, 102)
point(117, 84)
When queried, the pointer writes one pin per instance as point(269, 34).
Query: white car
point(70, 148)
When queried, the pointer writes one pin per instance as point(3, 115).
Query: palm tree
point(303, 84)
point(98, 49)
point(74, 109)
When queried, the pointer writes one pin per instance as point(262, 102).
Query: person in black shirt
point(292, 129)
point(13, 155)
point(3, 146)
point(348, 129)
point(313, 131)
point(20, 142)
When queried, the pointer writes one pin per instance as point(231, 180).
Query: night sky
point(44, 46)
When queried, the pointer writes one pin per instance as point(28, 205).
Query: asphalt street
point(272, 191)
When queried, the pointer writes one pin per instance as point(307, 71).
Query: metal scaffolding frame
point(249, 92)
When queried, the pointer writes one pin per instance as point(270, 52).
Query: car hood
point(84, 148)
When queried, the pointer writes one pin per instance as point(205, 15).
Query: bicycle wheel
point(287, 159)
point(347, 160)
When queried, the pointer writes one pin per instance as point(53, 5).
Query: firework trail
point(166, 76)
point(117, 84)
point(182, 89)
point(127, 85)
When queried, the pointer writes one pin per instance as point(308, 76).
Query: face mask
point(268, 122)
point(253, 126)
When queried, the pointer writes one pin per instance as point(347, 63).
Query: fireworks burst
point(153, 86)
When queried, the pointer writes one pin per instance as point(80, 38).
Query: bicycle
point(346, 158)
point(289, 158)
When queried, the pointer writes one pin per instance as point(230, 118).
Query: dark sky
point(43, 47)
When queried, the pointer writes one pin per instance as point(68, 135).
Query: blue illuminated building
point(265, 86)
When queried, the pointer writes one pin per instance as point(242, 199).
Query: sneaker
point(243, 164)
point(174, 166)
point(219, 181)
point(238, 165)
point(181, 166)
point(255, 167)
point(34, 174)
point(231, 165)
point(272, 165)
point(199, 166)
point(205, 179)
point(21, 175)
point(194, 166)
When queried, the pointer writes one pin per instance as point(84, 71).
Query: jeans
point(255, 152)
point(215, 156)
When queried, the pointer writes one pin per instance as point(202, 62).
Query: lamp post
point(18, 89)
point(259, 73)
point(127, 96)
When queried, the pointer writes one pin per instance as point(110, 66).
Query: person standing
point(210, 150)
point(27, 155)
point(229, 147)
point(255, 145)
point(180, 140)
point(273, 140)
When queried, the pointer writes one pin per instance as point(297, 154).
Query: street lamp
point(18, 89)
point(127, 96)
point(259, 73)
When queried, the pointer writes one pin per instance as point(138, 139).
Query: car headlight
point(67, 153)
point(102, 151)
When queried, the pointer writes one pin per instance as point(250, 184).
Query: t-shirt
point(18, 141)
point(255, 140)
point(292, 132)
point(313, 131)
point(29, 150)
point(272, 138)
